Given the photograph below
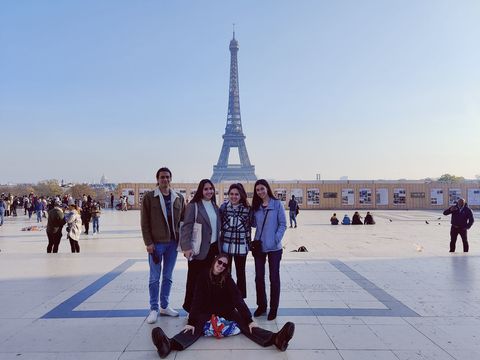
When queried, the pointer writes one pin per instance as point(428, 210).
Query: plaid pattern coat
point(236, 229)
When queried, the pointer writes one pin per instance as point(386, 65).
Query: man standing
point(162, 211)
point(112, 198)
point(55, 222)
point(96, 211)
point(293, 207)
point(2, 209)
point(462, 220)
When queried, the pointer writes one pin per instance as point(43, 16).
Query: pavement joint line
point(394, 308)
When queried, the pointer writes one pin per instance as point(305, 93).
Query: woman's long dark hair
point(256, 202)
point(243, 193)
point(199, 194)
point(220, 278)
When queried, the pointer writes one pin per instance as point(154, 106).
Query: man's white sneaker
point(168, 311)
point(152, 317)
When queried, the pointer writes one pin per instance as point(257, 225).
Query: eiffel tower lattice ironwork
point(233, 137)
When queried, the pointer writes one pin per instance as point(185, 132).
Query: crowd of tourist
point(58, 211)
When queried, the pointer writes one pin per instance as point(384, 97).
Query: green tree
point(451, 178)
point(48, 188)
point(78, 190)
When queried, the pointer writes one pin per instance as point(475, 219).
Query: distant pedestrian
point(293, 210)
point(31, 207)
point(39, 209)
point(346, 220)
point(96, 211)
point(45, 203)
point(55, 222)
point(369, 219)
point(13, 206)
point(26, 204)
point(462, 220)
point(123, 201)
point(334, 219)
point(86, 213)
point(2, 210)
point(74, 227)
point(112, 198)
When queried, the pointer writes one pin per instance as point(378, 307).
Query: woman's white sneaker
point(152, 317)
point(168, 311)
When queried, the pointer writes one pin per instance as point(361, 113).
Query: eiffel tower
point(233, 137)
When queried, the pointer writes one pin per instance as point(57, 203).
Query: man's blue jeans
point(2, 214)
point(95, 223)
point(167, 253)
point(293, 216)
point(39, 215)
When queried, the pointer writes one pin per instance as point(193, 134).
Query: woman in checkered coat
point(236, 219)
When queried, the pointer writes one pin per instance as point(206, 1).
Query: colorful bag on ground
point(220, 327)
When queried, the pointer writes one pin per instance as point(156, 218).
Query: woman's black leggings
point(74, 245)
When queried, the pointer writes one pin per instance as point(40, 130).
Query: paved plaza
point(389, 291)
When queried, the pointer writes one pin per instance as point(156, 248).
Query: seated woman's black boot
point(162, 342)
point(284, 336)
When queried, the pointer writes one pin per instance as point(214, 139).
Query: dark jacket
point(86, 213)
point(356, 220)
point(369, 220)
point(56, 220)
point(153, 218)
point(293, 205)
point(460, 218)
point(211, 299)
point(334, 220)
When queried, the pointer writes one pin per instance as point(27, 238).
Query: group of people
point(74, 217)
point(356, 219)
point(31, 204)
point(212, 238)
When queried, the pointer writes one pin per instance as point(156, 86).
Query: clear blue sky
point(368, 89)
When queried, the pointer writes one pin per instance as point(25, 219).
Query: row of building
point(348, 194)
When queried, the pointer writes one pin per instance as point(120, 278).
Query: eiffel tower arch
point(233, 137)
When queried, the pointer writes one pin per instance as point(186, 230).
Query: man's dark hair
point(163, 169)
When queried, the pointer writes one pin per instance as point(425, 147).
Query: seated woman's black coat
point(222, 300)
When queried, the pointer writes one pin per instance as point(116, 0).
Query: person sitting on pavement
point(216, 293)
point(356, 219)
point(346, 220)
point(333, 219)
point(369, 219)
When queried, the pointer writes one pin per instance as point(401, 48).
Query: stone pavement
point(389, 291)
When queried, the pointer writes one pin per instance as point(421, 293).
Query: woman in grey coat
point(202, 210)
point(74, 227)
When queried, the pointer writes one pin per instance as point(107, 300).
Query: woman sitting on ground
point(369, 219)
point(356, 219)
point(216, 293)
point(346, 220)
point(333, 219)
